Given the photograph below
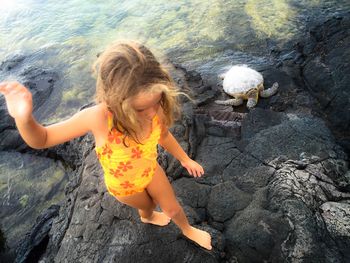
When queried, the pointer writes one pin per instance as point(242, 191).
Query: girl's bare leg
point(160, 190)
point(145, 205)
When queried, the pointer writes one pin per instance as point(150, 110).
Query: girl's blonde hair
point(125, 69)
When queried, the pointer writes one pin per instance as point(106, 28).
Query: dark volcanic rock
point(333, 214)
point(37, 239)
point(40, 83)
point(256, 234)
point(295, 135)
point(11, 63)
point(306, 197)
point(225, 200)
point(326, 71)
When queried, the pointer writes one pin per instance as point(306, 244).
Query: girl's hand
point(193, 168)
point(18, 100)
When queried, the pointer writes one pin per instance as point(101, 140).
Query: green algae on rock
point(29, 184)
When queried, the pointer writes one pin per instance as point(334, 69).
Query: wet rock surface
point(326, 72)
point(323, 59)
point(275, 189)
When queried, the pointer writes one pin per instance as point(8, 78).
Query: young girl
point(137, 102)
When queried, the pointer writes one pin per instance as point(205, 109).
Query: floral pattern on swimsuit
point(128, 170)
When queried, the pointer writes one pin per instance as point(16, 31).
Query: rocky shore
point(277, 181)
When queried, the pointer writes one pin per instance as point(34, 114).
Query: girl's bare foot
point(201, 237)
point(157, 218)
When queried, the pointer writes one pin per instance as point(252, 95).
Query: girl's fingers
point(199, 171)
point(195, 170)
point(194, 173)
point(7, 87)
point(11, 88)
point(3, 87)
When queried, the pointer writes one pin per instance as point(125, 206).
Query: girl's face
point(146, 104)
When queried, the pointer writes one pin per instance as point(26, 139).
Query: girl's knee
point(172, 211)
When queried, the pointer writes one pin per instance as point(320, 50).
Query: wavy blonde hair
point(125, 69)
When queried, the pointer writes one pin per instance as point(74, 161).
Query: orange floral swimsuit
point(128, 170)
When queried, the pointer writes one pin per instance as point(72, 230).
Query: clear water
point(67, 35)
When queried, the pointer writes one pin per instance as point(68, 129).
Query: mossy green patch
point(71, 94)
point(277, 19)
point(274, 18)
point(24, 200)
point(29, 184)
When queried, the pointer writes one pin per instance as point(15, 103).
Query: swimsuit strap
point(110, 120)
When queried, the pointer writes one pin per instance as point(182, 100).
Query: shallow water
point(67, 35)
point(28, 184)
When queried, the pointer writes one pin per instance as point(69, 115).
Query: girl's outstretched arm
point(169, 143)
point(20, 106)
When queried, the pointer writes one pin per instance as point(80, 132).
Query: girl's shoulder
point(98, 110)
point(98, 114)
point(98, 119)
